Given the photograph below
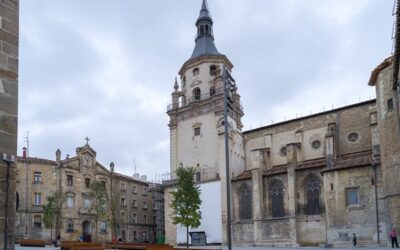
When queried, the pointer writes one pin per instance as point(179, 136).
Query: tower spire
point(205, 37)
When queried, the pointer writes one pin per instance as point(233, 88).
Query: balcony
point(84, 210)
point(194, 99)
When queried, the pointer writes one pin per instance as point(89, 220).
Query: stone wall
point(9, 21)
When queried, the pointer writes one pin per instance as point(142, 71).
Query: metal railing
point(194, 98)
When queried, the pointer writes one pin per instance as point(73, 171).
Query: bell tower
point(197, 116)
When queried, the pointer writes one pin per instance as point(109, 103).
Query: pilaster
point(291, 172)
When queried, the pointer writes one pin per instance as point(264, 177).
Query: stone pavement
point(18, 247)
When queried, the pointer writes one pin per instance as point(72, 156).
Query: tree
point(99, 203)
point(52, 211)
point(186, 201)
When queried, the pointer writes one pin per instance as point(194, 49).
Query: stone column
point(8, 117)
point(291, 171)
point(256, 178)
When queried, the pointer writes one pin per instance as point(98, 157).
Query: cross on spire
point(87, 140)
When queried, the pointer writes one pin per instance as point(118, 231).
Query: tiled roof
point(378, 69)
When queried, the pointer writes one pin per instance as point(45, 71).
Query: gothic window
point(212, 90)
point(197, 94)
point(70, 226)
point(312, 188)
point(245, 208)
point(196, 71)
point(213, 70)
point(276, 194)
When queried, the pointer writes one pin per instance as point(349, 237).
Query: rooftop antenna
point(27, 143)
point(134, 165)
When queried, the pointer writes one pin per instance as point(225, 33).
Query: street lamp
point(229, 85)
point(8, 159)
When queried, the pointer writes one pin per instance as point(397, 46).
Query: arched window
point(197, 94)
point(70, 225)
point(207, 30)
point(245, 202)
point(276, 198)
point(196, 71)
point(201, 30)
point(312, 191)
point(212, 90)
point(213, 70)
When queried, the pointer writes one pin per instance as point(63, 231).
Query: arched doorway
point(87, 231)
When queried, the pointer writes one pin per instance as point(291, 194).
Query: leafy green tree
point(186, 201)
point(52, 211)
point(99, 203)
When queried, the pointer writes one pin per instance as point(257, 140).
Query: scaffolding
point(157, 193)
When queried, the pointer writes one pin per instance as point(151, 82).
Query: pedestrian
point(80, 238)
point(354, 240)
point(393, 238)
point(58, 239)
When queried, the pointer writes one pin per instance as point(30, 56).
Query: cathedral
point(314, 180)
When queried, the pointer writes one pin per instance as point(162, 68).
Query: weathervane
point(87, 140)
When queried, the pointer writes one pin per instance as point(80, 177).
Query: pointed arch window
point(197, 94)
point(245, 202)
point(276, 197)
point(313, 187)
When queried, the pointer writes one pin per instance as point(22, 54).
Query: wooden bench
point(33, 243)
point(69, 245)
point(159, 247)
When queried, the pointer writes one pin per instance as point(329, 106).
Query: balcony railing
point(193, 99)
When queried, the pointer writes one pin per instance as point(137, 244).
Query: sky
point(105, 69)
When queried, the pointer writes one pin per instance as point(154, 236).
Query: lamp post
point(8, 160)
point(229, 85)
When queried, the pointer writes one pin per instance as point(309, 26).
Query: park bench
point(68, 245)
point(33, 243)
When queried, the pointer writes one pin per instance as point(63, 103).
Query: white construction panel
point(210, 208)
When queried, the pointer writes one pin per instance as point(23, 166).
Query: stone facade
point(309, 181)
point(139, 211)
point(9, 21)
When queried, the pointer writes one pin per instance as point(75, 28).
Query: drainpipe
point(376, 205)
point(8, 160)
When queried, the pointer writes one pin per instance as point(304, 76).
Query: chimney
point(24, 149)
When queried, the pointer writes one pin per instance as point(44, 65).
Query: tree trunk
point(187, 237)
point(97, 231)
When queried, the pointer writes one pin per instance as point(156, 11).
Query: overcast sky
point(105, 69)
